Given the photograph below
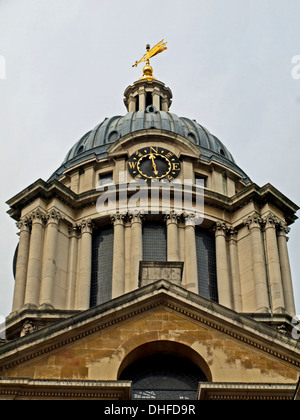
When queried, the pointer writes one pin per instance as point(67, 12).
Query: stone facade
point(57, 341)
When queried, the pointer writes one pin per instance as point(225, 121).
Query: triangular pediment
point(92, 345)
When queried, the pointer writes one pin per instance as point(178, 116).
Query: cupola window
point(149, 99)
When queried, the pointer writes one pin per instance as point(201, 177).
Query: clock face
point(154, 163)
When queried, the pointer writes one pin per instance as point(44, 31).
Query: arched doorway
point(163, 371)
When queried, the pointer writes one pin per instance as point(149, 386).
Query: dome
point(96, 142)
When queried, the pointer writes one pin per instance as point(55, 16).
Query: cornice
point(251, 193)
point(64, 389)
point(243, 391)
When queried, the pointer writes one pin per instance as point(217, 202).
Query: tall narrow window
point(149, 99)
point(102, 263)
point(206, 264)
point(154, 241)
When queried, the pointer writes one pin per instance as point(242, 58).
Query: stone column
point(72, 267)
point(223, 274)
point(118, 277)
point(274, 264)
point(128, 256)
point(142, 99)
point(136, 247)
point(191, 271)
point(49, 260)
point(85, 266)
point(156, 98)
point(286, 269)
point(235, 271)
point(35, 259)
point(172, 237)
point(22, 264)
point(259, 264)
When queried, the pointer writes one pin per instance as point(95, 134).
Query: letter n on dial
point(154, 162)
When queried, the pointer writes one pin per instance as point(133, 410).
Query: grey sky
point(68, 62)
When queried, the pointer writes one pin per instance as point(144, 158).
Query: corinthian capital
point(37, 216)
point(86, 226)
point(23, 224)
point(172, 217)
point(283, 229)
point(270, 221)
point(136, 217)
point(253, 221)
point(118, 218)
point(221, 228)
point(54, 216)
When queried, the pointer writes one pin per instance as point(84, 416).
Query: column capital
point(23, 224)
point(74, 230)
point(37, 216)
point(172, 218)
point(136, 217)
point(118, 218)
point(188, 218)
point(54, 216)
point(283, 229)
point(253, 221)
point(270, 221)
point(221, 229)
point(86, 226)
point(232, 233)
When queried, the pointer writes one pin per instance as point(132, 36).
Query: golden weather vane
point(157, 49)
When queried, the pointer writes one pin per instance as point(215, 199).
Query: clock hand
point(152, 157)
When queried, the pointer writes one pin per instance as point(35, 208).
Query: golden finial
point(157, 49)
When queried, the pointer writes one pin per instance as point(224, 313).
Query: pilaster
point(32, 293)
point(136, 247)
point(83, 289)
point(118, 277)
point(235, 270)
point(191, 271)
point(271, 222)
point(223, 273)
point(171, 220)
point(254, 224)
point(287, 285)
point(22, 263)
point(72, 266)
point(53, 219)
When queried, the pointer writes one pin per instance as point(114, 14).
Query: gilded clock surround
point(154, 162)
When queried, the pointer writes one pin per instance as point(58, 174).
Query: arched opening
point(164, 371)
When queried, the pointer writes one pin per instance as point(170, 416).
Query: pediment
point(93, 344)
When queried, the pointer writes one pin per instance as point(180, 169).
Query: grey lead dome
point(96, 142)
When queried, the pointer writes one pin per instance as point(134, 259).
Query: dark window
point(80, 150)
point(154, 241)
point(102, 263)
point(201, 180)
point(222, 152)
point(206, 264)
point(105, 179)
point(149, 100)
point(164, 377)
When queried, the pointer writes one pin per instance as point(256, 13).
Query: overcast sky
point(68, 62)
